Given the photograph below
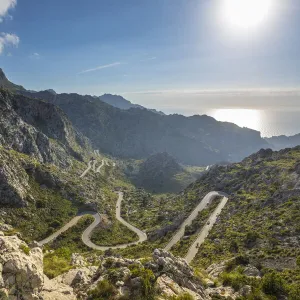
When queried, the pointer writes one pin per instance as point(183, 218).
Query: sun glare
point(250, 118)
point(246, 14)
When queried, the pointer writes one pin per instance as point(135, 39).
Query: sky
point(174, 55)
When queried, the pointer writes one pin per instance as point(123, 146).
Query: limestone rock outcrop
point(21, 273)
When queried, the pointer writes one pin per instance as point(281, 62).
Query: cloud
point(8, 40)
point(101, 67)
point(35, 55)
point(149, 58)
point(5, 6)
point(231, 92)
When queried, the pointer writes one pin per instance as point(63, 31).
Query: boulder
point(21, 273)
point(177, 269)
point(245, 290)
point(251, 271)
point(215, 270)
point(169, 288)
point(54, 290)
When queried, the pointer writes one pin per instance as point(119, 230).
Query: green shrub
point(242, 260)
point(55, 224)
point(294, 292)
point(233, 247)
point(234, 279)
point(273, 284)
point(147, 279)
point(185, 296)
point(57, 262)
point(250, 238)
point(114, 275)
point(298, 261)
point(25, 249)
point(103, 291)
point(237, 261)
point(3, 296)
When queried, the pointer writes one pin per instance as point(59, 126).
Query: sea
point(271, 122)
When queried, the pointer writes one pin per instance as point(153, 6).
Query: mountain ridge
point(122, 103)
point(138, 133)
point(283, 141)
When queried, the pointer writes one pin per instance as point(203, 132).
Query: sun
point(246, 14)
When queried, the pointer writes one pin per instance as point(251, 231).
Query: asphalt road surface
point(205, 231)
point(180, 233)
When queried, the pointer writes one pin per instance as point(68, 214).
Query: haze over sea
point(271, 111)
point(270, 122)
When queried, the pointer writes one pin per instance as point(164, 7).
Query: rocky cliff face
point(30, 126)
point(13, 182)
point(161, 277)
point(50, 120)
point(21, 273)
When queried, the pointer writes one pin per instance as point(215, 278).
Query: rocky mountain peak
point(118, 101)
point(5, 83)
point(162, 160)
point(51, 91)
point(2, 75)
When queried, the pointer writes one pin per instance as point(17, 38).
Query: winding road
point(180, 232)
point(205, 231)
point(86, 235)
point(70, 224)
point(92, 165)
point(87, 169)
point(99, 168)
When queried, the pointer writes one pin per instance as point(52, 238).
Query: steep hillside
point(42, 158)
point(39, 129)
point(261, 220)
point(137, 133)
point(161, 173)
point(257, 234)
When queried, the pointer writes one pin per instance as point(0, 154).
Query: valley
point(128, 196)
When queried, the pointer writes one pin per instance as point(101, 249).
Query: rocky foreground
point(161, 277)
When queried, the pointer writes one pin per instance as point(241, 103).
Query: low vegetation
point(103, 291)
point(113, 234)
point(261, 218)
point(57, 258)
point(161, 173)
